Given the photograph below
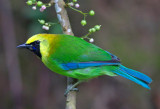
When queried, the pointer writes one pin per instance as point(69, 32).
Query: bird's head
point(35, 43)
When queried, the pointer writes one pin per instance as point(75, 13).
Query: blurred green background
point(130, 30)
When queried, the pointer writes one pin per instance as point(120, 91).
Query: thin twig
point(77, 10)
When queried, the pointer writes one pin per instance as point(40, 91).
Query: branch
point(63, 16)
point(64, 21)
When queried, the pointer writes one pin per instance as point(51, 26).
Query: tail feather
point(134, 76)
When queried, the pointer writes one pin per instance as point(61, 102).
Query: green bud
point(92, 30)
point(83, 22)
point(39, 3)
point(29, 2)
point(49, 4)
point(47, 24)
point(97, 27)
point(41, 21)
point(74, 0)
point(91, 13)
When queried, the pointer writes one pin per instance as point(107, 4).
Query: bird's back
point(68, 48)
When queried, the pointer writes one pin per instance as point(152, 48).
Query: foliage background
point(130, 30)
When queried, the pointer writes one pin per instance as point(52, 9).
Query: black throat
point(35, 48)
point(37, 52)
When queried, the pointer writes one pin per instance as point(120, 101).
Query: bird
point(74, 57)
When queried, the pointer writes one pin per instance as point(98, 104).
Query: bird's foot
point(70, 88)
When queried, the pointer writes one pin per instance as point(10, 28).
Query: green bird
point(74, 57)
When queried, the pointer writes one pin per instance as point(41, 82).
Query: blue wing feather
point(130, 74)
point(72, 66)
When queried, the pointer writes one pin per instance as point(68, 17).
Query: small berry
point(91, 40)
point(29, 2)
point(42, 22)
point(45, 27)
point(77, 5)
point(74, 0)
point(34, 8)
point(43, 7)
point(49, 4)
point(92, 30)
point(71, 4)
point(83, 22)
point(46, 24)
point(97, 27)
point(91, 13)
point(39, 3)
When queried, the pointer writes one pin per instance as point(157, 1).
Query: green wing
point(74, 49)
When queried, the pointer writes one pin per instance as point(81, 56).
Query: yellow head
point(39, 44)
point(37, 37)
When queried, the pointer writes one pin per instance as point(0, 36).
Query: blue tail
point(134, 76)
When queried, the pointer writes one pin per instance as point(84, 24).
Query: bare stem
point(86, 36)
point(77, 10)
point(64, 21)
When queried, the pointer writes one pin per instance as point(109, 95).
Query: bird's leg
point(72, 87)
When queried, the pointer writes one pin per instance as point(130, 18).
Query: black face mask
point(34, 47)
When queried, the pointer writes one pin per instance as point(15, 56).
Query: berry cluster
point(91, 30)
point(46, 25)
point(95, 28)
point(76, 5)
point(84, 22)
point(72, 5)
point(36, 4)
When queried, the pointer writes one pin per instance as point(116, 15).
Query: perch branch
point(64, 21)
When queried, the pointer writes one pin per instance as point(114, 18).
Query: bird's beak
point(24, 46)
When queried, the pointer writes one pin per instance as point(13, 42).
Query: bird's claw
point(70, 89)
